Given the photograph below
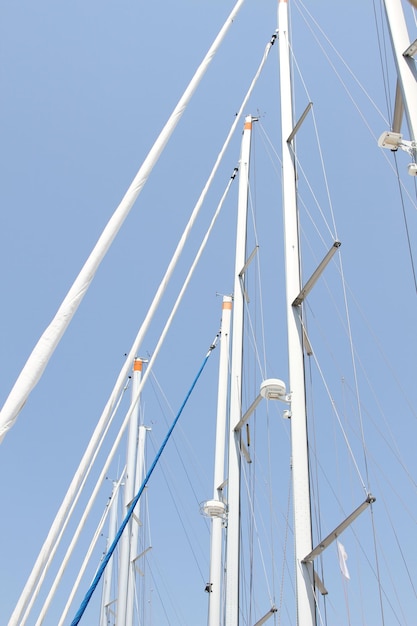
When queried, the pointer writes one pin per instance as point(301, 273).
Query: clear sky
point(86, 88)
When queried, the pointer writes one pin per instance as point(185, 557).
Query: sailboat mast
point(124, 611)
point(404, 61)
point(107, 600)
point(216, 508)
point(233, 486)
point(300, 470)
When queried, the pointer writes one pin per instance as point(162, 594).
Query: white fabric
point(342, 560)
point(37, 361)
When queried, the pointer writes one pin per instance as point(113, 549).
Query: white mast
point(135, 524)
point(300, 470)
point(404, 54)
point(107, 600)
point(233, 489)
point(216, 508)
point(132, 591)
point(127, 551)
point(404, 61)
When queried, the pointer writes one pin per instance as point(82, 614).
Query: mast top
point(137, 365)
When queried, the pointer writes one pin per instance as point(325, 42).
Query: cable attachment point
point(213, 345)
point(392, 141)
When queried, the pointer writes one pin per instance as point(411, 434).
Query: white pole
point(129, 492)
point(134, 541)
point(233, 488)
point(406, 65)
point(107, 588)
point(217, 523)
point(301, 492)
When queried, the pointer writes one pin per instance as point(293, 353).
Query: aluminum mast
point(233, 487)
point(216, 508)
point(125, 600)
point(306, 615)
point(404, 62)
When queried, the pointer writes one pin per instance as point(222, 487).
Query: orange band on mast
point(137, 365)
point(227, 305)
point(248, 126)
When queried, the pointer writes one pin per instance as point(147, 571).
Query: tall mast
point(306, 615)
point(404, 62)
point(127, 551)
point(216, 508)
point(107, 605)
point(233, 486)
point(404, 54)
point(133, 587)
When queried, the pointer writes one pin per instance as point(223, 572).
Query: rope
point(135, 500)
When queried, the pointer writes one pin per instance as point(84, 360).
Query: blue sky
point(86, 88)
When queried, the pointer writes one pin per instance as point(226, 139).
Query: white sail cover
point(37, 361)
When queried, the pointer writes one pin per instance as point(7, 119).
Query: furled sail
point(42, 352)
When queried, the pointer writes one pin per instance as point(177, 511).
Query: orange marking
point(137, 365)
point(227, 305)
point(248, 125)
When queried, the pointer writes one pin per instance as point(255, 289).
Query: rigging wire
point(389, 440)
point(407, 231)
point(344, 575)
point(334, 232)
point(305, 12)
point(345, 437)
point(361, 436)
point(387, 481)
point(401, 551)
point(395, 169)
point(383, 58)
point(389, 565)
point(163, 596)
point(175, 502)
point(135, 500)
point(385, 81)
point(378, 573)
point(197, 471)
point(355, 372)
point(255, 529)
point(371, 331)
